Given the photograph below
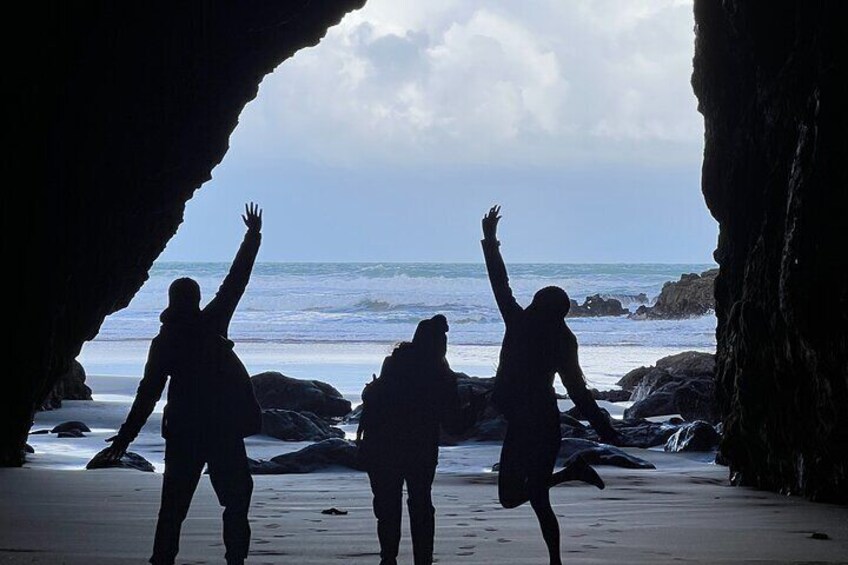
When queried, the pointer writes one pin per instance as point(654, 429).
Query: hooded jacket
point(210, 393)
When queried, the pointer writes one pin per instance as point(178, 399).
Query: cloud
point(486, 83)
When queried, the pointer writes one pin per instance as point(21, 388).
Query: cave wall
point(118, 112)
point(770, 78)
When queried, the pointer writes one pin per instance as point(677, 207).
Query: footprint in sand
point(491, 529)
point(261, 542)
point(464, 553)
point(271, 526)
point(504, 540)
point(471, 535)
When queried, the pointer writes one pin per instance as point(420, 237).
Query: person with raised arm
point(536, 345)
point(211, 407)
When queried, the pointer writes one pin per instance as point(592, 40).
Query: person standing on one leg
point(536, 345)
point(211, 406)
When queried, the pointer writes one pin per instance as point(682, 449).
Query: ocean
point(336, 322)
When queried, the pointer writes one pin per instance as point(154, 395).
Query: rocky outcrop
point(595, 453)
point(692, 295)
point(72, 426)
point(697, 436)
point(70, 386)
point(115, 127)
point(678, 384)
point(595, 306)
point(288, 425)
point(774, 176)
point(275, 390)
point(321, 455)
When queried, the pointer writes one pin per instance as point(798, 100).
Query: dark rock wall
point(118, 113)
point(771, 82)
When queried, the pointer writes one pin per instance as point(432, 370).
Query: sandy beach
point(684, 511)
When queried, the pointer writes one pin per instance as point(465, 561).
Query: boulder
point(70, 434)
point(678, 384)
point(328, 453)
point(599, 454)
point(275, 390)
point(596, 306)
point(697, 436)
point(70, 386)
point(288, 425)
point(130, 460)
point(692, 295)
point(73, 425)
point(610, 395)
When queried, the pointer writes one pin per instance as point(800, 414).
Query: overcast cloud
point(388, 140)
point(532, 83)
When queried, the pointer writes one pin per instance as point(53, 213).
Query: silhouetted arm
point(572, 377)
point(148, 394)
point(222, 307)
point(495, 266)
point(456, 418)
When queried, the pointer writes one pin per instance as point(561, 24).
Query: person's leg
point(576, 469)
point(387, 488)
point(543, 454)
point(183, 465)
point(541, 503)
point(422, 521)
point(512, 470)
point(230, 476)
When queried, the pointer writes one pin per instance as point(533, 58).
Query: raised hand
point(490, 223)
point(252, 217)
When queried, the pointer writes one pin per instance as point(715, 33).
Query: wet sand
point(682, 512)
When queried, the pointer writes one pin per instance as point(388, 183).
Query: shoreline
point(682, 511)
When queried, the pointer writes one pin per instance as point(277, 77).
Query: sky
point(390, 139)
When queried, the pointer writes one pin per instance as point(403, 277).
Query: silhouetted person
point(210, 409)
point(537, 344)
point(399, 431)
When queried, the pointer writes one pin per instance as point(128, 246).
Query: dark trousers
point(387, 479)
point(230, 476)
point(528, 457)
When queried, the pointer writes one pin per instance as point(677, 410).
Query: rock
point(596, 306)
point(610, 395)
point(634, 432)
point(697, 436)
point(70, 434)
point(130, 460)
point(39, 432)
point(288, 425)
point(70, 426)
point(599, 454)
point(328, 453)
point(657, 404)
point(692, 295)
point(275, 390)
point(679, 384)
point(354, 416)
point(70, 386)
point(29, 449)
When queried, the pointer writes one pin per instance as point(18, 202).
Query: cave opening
point(114, 111)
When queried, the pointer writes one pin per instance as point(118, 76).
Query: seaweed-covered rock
point(692, 295)
point(595, 306)
point(130, 460)
point(599, 454)
point(328, 453)
point(679, 384)
point(70, 386)
point(697, 436)
point(288, 425)
point(275, 390)
point(73, 425)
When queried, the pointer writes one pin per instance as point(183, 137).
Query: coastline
point(682, 511)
